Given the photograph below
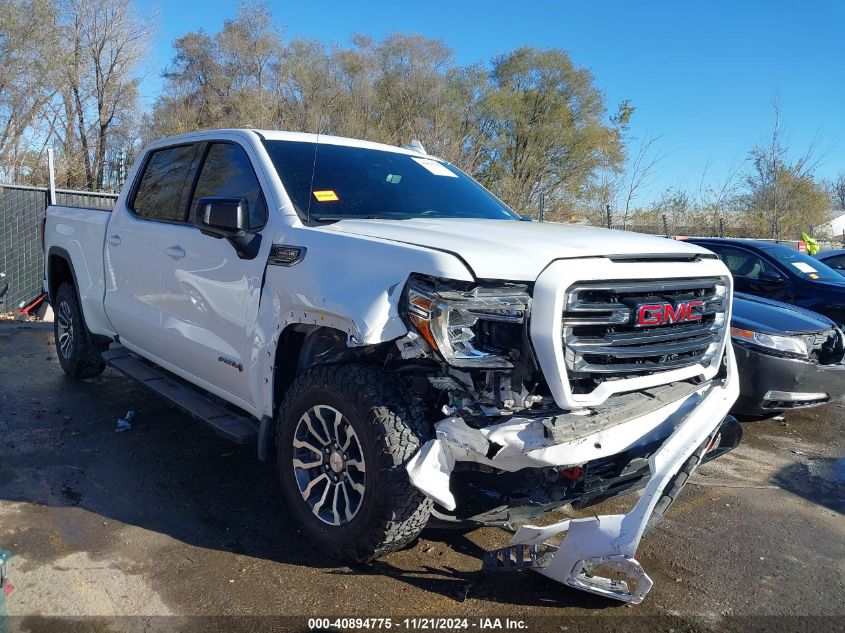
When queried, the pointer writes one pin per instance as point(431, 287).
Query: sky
point(702, 75)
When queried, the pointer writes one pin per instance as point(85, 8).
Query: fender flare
point(60, 253)
point(266, 429)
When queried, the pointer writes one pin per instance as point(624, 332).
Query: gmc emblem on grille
point(665, 313)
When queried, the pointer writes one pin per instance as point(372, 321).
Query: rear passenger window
point(227, 173)
point(164, 185)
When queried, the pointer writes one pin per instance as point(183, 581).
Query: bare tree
point(714, 200)
point(838, 189)
point(642, 168)
point(28, 79)
point(104, 42)
point(777, 181)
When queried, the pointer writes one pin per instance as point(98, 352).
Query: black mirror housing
point(771, 278)
point(222, 217)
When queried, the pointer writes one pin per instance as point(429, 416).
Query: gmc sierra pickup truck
point(404, 344)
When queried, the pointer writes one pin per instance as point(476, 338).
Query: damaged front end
point(550, 394)
point(597, 545)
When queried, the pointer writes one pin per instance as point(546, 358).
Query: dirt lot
point(167, 519)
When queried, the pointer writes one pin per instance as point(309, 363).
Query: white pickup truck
point(406, 345)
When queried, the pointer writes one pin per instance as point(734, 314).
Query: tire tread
point(86, 360)
point(398, 424)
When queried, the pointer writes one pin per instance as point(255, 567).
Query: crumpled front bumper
point(763, 375)
point(597, 554)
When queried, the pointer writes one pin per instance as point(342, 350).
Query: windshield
point(802, 265)
point(333, 182)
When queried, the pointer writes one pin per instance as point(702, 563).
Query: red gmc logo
point(665, 313)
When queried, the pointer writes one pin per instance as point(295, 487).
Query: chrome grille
point(602, 342)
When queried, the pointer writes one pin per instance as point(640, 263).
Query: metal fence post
point(51, 167)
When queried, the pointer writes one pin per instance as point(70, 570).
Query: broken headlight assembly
point(483, 327)
point(787, 345)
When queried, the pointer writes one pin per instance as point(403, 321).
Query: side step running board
point(240, 429)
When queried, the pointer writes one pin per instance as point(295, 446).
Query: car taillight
point(43, 226)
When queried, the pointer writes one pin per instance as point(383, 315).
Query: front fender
point(350, 283)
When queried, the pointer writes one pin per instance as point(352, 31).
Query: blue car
point(776, 271)
point(834, 259)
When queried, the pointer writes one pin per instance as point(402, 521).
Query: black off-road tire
point(81, 358)
point(391, 429)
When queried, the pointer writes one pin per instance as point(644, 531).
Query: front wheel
point(79, 353)
point(343, 436)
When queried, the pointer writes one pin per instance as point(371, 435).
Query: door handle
point(114, 240)
point(176, 252)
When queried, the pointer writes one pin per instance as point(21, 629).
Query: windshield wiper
point(334, 218)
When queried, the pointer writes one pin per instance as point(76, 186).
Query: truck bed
point(81, 233)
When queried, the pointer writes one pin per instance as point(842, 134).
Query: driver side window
point(744, 263)
point(227, 173)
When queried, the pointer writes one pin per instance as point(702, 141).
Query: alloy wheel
point(328, 465)
point(64, 320)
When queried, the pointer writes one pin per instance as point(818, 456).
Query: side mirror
point(771, 278)
point(222, 217)
point(527, 218)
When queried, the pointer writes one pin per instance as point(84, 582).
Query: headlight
point(788, 344)
point(478, 328)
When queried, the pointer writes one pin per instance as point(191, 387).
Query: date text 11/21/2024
point(418, 624)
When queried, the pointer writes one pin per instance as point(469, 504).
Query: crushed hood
point(514, 250)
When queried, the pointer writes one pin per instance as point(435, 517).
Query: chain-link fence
point(737, 227)
point(21, 259)
point(698, 231)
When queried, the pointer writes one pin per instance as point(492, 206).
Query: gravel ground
point(166, 519)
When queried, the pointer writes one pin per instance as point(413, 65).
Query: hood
point(828, 286)
point(773, 317)
point(514, 250)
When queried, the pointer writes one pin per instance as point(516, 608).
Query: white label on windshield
point(804, 268)
point(436, 168)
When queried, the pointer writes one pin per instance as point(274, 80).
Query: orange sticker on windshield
point(326, 195)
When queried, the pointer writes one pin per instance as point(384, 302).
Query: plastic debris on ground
point(6, 587)
point(124, 424)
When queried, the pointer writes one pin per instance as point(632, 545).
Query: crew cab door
point(138, 231)
point(210, 294)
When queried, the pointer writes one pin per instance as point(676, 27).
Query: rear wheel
point(344, 434)
point(78, 351)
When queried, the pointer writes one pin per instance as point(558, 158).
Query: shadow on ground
point(817, 479)
point(171, 475)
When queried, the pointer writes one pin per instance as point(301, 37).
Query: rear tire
point(78, 351)
point(343, 437)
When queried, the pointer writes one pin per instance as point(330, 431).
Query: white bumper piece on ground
point(597, 554)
